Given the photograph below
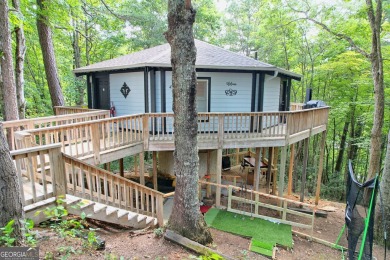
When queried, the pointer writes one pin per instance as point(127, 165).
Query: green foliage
point(6, 238)
point(159, 232)
point(29, 234)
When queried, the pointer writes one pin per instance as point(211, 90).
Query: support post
point(237, 156)
point(275, 173)
point(219, 176)
point(121, 168)
point(155, 170)
point(290, 169)
point(257, 169)
point(320, 166)
point(208, 186)
point(141, 169)
point(136, 164)
point(305, 158)
point(95, 136)
point(145, 123)
point(282, 171)
point(57, 168)
point(269, 172)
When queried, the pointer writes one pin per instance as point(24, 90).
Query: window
point(202, 90)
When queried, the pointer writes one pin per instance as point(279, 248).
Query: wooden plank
point(142, 168)
point(155, 170)
point(58, 172)
point(282, 171)
point(121, 168)
point(219, 177)
point(320, 167)
point(192, 245)
point(275, 173)
point(257, 169)
point(290, 169)
point(318, 240)
point(305, 158)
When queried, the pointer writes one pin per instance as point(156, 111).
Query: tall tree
point(374, 14)
point(49, 59)
point(20, 52)
point(383, 201)
point(10, 106)
point(185, 218)
point(10, 199)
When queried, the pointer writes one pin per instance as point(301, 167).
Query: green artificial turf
point(264, 234)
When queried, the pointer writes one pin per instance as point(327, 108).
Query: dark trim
point(163, 92)
point(146, 89)
point(95, 93)
point(208, 91)
point(89, 90)
point(153, 94)
point(268, 72)
point(253, 100)
point(260, 100)
point(283, 95)
point(288, 94)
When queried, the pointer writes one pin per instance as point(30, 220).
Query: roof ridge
point(236, 54)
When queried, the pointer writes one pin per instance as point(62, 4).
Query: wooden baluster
point(43, 173)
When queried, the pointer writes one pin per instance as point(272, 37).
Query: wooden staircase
point(93, 210)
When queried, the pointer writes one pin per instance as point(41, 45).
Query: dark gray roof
point(208, 56)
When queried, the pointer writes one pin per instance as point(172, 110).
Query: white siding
point(271, 94)
point(135, 101)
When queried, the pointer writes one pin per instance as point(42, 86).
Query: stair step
point(122, 213)
point(111, 211)
point(99, 208)
point(87, 205)
point(72, 200)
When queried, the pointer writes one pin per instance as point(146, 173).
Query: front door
point(103, 93)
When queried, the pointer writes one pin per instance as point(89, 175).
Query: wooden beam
point(121, 168)
point(290, 169)
point(135, 164)
point(268, 176)
point(141, 169)
point(219, 176)
point(320, 167)
point(155, 170)
point(192, 245)
point(275, 173)
point(257, 169)
point(305, 158)
point(282, 171)
point(208, 187)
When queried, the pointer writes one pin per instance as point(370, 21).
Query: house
point(253, 97)
point(227, 82)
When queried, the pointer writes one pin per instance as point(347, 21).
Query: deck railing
point(92, 137)
point(90, 182)
point(40, 171)
point(87, 138)
point(10, 127)
point(296, 106)
point(64, 110)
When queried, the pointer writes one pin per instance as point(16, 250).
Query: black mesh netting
point(355, 214)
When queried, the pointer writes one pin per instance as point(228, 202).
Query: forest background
point(273, 31)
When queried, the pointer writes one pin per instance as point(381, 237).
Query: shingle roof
point(208, 56)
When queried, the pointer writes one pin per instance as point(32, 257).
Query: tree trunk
point(343, 141)
point(10, 106)
point(49, 59)
point(10, 198)
point(385, 204)
point(77, 63)
point(20, 52)
point(186, 218)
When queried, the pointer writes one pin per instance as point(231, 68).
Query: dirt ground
point(128, 244)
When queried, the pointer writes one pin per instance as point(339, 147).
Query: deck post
point(221, 122)
point(320, 166)
point(208, 187)
point(95, 136)
point(135, 164)
point(57, 168)
point(257, 169)
point(145, 124)
point(305, 158)
point(160, 210)
point(141, 169)
point(290, 169)
point(269, 172)
point(275, 172)
point(219, 176)
point(155, 170)
point(282, 171)
point(121, 168)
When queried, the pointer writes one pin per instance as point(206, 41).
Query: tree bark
point(186, 218)
point(343, 141)
point(385, 203)
point(11, 206)
point(375, 19)
point(20, 52)
point(49, 60)
point(79, 84)
point(10, 106)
